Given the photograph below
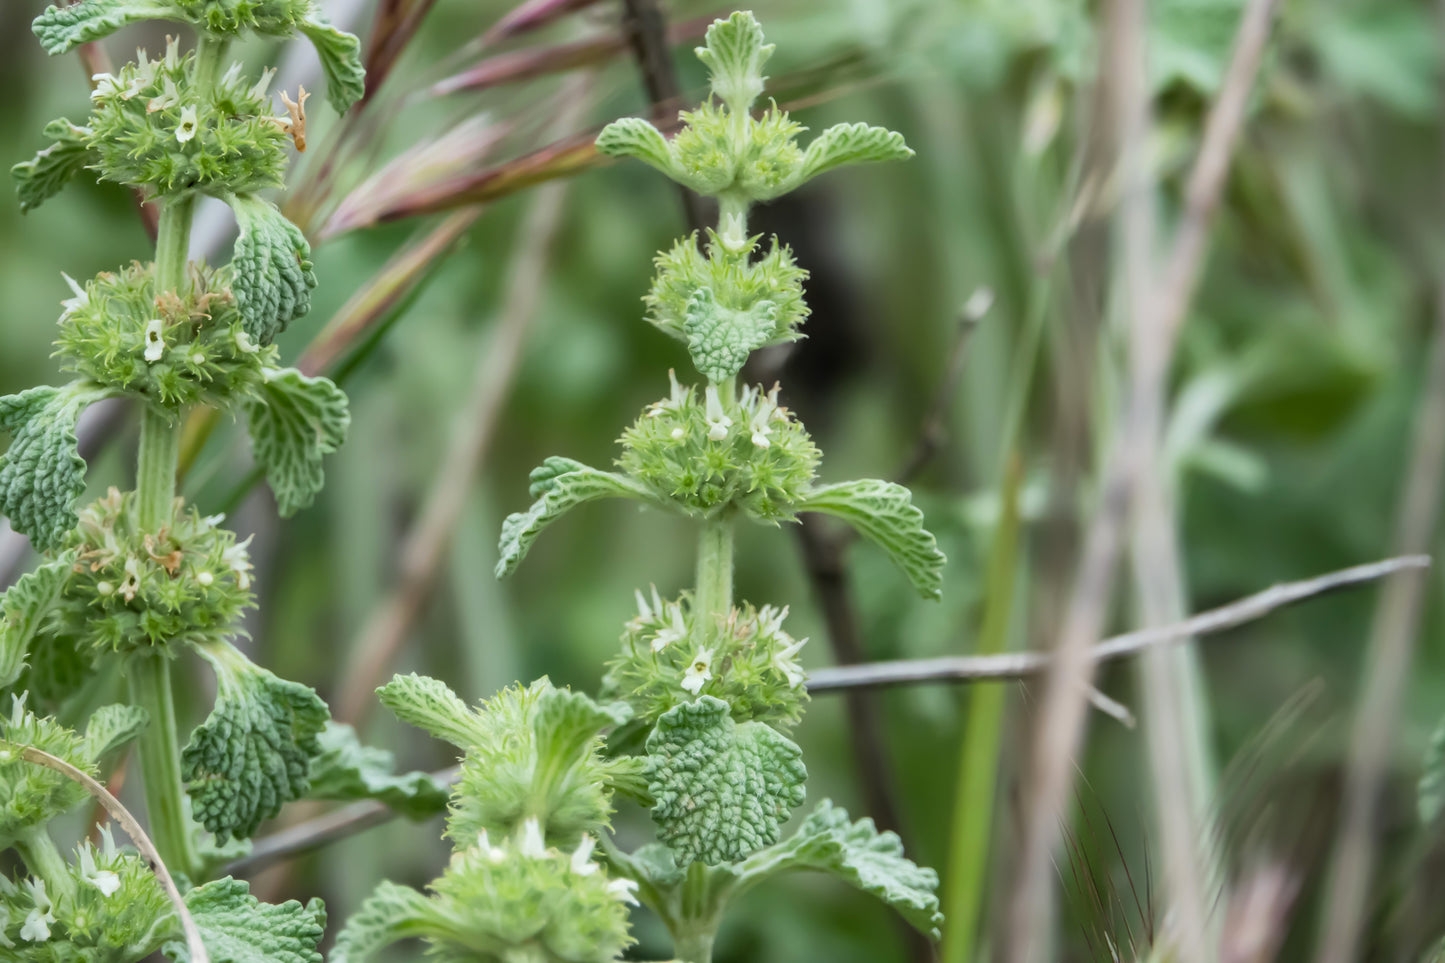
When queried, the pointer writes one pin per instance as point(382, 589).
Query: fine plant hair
point(694, 715)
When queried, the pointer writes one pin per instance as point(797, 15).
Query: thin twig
point(425, 546)
point(1023, 665)
point(321, 831)
point(132, 829)
point(360, 816)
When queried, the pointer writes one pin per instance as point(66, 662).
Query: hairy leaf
point(885, 513)
point(851, 144)
point(390, 914)
point(722, 790)
point(858, 854)
point(42, 473)
point(432, 707)
point(564, 490)
point(720, 339)
point(23, 611)
point(61, 29)
point(238, 928)
point(295, 422)
point(340, 54)
point(272, 267)
point(111, 727)
point(253, 753)
point(734, 55)
point(635, 137)
point(346, 770)
point(41, 178)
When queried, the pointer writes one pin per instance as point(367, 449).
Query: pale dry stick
point(1173, 710)
point(360, 816)
point(426, 543)
point(120, 814)
point(1063, 715)
point(1392, 645)
point(1025, 665)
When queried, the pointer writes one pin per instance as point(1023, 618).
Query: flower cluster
point(737, 280)
point(187, 584)
point(178, 351)
point(747, 660)
point(153, 129)
point(706, 454)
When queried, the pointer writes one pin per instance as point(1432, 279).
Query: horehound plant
point(695, 711)
point(134, 582)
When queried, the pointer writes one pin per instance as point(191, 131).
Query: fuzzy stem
point(160, 756)
point(160, 438)
point(714, 597)
point(695, 946)
point(42, 858)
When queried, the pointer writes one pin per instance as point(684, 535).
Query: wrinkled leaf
point(565, 490)
point(885, 514)
point(295, 422)
point(346, 771)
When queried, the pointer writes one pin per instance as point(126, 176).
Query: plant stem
point(714, 598)
point(42, 857)
point(695, 947)
point(160, 440)
point(160, 757)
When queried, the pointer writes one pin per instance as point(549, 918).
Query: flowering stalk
point(695, 710)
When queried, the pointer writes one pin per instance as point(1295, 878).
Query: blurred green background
point(1294, 394)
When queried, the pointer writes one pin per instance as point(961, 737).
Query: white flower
point(144, 75)
point(102, 879)
point(264, 84)
point(131, 585)
point(155, 340)
point(582, 864)
point(763, 409)
point(198, 357)
point(244, 343)
point(678, 433)
point(532, 844)
point(718, 422)
point(105, 588)
point(186, 129)
point(205, 578)
point(103, 85)
point(5, 925)
point(173, 52)
point(37, 924)
point(71, 305)
point(236, 560)
point(698, 672)
point(494, 853)
point(676, 398)
point(168, 97)
point(622, 889)
point(232, 74)
point(674, 631)
point(784, 662)
point(644, 611)
point(770, 620)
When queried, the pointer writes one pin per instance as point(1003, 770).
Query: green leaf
point(295, 422)
point(41, 178)
point(390, 914)
point(272, 268)
point(42, 473)
point(340, 54)
point(61, 29)
point(734, 55)
point(238, 928)
point(1431, 799)
point(859, 855)
point(23, 611)
point(850, 144)
point(432, 707)
point(635, 137)
point(253, 753)
point(564, 490)
point(111, 727)
point(885, 514)
point(346, 770)
point(722, 790)
point(720, 339)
